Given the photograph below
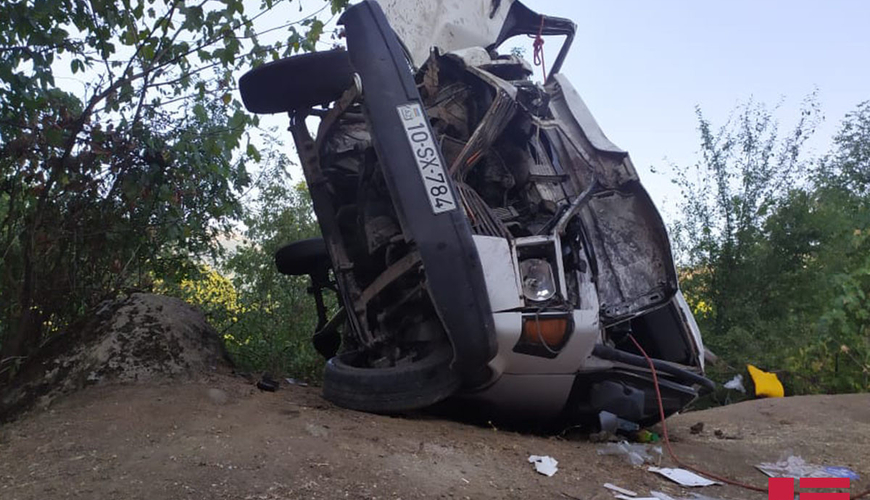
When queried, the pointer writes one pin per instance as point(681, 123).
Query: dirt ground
point(222, 438)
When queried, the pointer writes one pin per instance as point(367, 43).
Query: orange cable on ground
point(668, 441)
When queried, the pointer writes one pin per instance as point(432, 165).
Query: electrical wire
point(668, 441)
point(541, 335)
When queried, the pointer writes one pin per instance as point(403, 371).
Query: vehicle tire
point(296, 82)
point(390, 390)
point(303, 257)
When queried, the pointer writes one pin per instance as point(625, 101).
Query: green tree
point(838, 360)
point(773, 248)
point(746, 168)
point(848, 167)
point(274, 331)
point(102, 179)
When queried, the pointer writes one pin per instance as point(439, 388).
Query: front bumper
point(576, 383)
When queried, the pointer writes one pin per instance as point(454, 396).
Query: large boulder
point(143, 337)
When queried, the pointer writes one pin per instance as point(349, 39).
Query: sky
point(644, 66)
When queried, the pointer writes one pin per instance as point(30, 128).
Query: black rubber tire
point(390, 390)
point(303, 257)
point(297, 82)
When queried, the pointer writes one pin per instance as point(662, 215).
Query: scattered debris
point(735, 384)
point(544, 465)
point(766, 384)
point(720, 434)
point(645, 436)
point(636, 454)
point(318, 431)
point(611, 423)
point(683, 477)
point(617, 489)
point(697, 428)
point(604, 437)
point(267, 383)
point(838, 471)
point(796, 467)
point(293, 381)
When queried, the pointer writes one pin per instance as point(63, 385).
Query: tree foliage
point(122, 148)
point(208, 289)
point(265, 318)
point(774, 248)
point(274, 332)
point(848, 167)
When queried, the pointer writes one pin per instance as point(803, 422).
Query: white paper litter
point(683, 477)
point(544, 464)
point(613, 487)
point(796, 467)
point(735, 384)
point(624, 497)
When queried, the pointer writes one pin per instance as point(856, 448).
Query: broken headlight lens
point(538, 282)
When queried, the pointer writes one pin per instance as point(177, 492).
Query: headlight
point(538, 282)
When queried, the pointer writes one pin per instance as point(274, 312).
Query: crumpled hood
point(447, 24)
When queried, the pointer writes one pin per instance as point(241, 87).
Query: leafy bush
point(211, 292)
point(274, 331)
point(774, 249)
point(132, 167)
point(266, 319)
point(839, 360)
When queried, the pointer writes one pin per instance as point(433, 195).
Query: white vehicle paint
point(447, 24)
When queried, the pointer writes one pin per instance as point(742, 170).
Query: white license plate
point(428, 160)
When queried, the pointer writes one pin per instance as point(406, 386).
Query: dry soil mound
point(144, 337)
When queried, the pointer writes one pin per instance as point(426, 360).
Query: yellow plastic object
point(766, 384)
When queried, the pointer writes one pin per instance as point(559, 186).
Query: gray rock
point(217, 396)
point(142, 338)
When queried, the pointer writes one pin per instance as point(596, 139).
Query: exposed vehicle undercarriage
point(484, 236)
point(500, 155)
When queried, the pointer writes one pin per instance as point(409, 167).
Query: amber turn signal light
point(544, 330)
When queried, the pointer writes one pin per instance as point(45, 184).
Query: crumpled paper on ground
point(797, 467)
point(683, 477)
point(544, 464)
